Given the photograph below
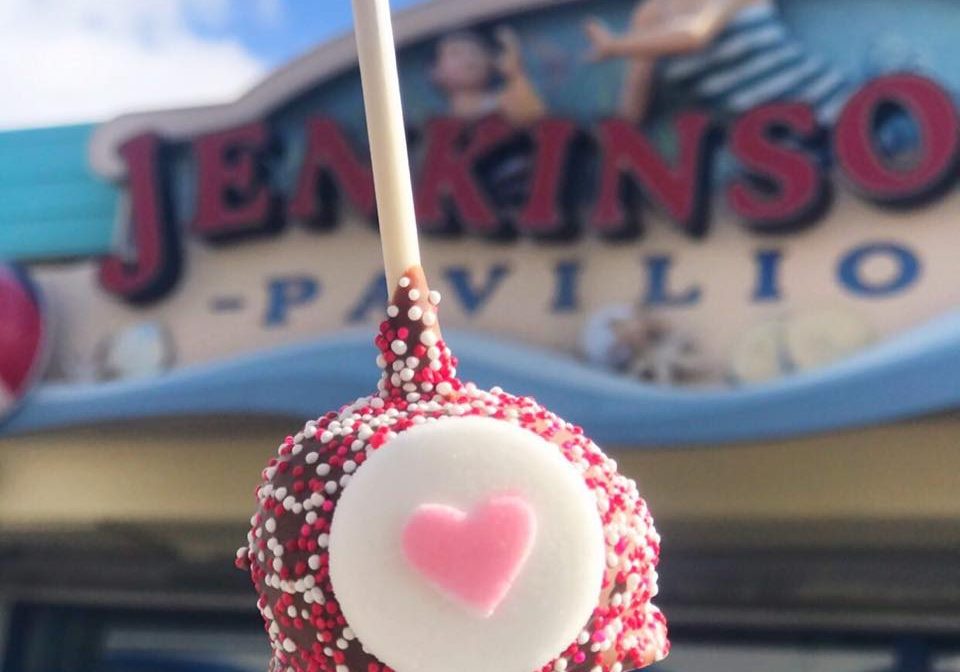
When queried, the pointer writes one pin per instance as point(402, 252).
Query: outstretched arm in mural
point(519, 101)
point(659, 29)
point(638, 81)
point(637, 90)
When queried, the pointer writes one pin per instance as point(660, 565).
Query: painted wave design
point(913, 374)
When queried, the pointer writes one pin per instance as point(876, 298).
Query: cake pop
point(433, 525)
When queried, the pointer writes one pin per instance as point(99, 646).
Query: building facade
point(730, 257)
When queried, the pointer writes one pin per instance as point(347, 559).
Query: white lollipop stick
point(388, 143)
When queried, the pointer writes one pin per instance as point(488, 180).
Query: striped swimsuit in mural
point(753, 61)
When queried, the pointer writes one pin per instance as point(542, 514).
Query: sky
point(70, 61)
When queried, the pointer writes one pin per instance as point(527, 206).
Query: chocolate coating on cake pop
point(286, 551)
point(413, 356)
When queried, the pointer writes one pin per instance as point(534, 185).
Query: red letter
point(797, 188)
point(678, 191)
point(233, 197)
point(153, 267)
point(541, 214)
point(931, 109)
point(330, 166)
point(447, 175)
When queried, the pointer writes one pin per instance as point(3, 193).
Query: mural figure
point(797, 342)
point(890, 53)
point(479, 80)
point(625, 339)
point(142, 350)
point(724, 55)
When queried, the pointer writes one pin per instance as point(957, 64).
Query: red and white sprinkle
point(296, 501)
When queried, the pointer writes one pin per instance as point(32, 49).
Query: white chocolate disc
point(413, 521)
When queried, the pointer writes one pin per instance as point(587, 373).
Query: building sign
point(717, 223)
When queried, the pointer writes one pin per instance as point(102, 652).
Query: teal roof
point(52, 206)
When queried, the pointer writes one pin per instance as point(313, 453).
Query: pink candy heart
point(473, 557)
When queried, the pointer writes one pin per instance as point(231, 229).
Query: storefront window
point(950, 663)
point(691, 657)
point(43, 638)
point(149, 650)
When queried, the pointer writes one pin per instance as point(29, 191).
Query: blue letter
point(906, 273)
point(768, 275)
point(286, 293)
point(374, 298)
point(567, 274)
point(473, 299)
point(658, 292)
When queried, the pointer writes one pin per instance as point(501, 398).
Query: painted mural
point(721, 220)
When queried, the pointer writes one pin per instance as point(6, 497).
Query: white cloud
point(67, 61)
